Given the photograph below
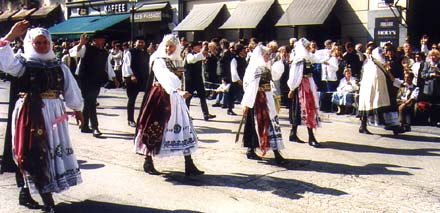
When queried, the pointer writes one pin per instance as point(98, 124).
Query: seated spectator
point(406, 99)
point(344, 95)
point(222, 94)
point(430, 92)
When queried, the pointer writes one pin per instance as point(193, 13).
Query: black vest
point(266, 77)
point(241, 66)
point(41, 76)
point(93, 67)
point(193, 73)
point(308, 67)
point(139, 65)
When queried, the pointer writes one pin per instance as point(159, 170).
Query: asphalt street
point(352, 172)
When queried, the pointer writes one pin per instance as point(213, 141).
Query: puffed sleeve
point(295, 75)
point(9, 63)
point(72, 93)
point(251, 81)
point(168, 80)
point(277, 70)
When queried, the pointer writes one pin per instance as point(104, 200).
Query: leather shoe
point(96, 133)
point(252, 155)
point(230, 112)
point(131, 124)
point(364, 130)
point(86, 130)
point(209, 116)
point(314, 143)
point(216, 105)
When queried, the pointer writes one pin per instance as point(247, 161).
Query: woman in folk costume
point(41, 143)
point(262, 129)
point(378, 92)
point(164, 126)
point(303, 92)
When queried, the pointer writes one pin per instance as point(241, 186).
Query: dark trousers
point(200, 88)
point(132, 93)
point(235, 92)
point(90, 96)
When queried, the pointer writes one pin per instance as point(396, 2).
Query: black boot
point(149, 166)
point(250, 154)
point(278, 158)
point(312, 140)
point(25, 199)
point(293, 135)
point(190, 168)
point(363, 129)
point(49, 203)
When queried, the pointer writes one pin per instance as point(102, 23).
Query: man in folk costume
point(164, 126)
point(262, 129)
point(94, 70)
point(135, 71)
point(378, 92)
point(303, 92)
point(41, 143)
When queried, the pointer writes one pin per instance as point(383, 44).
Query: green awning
point(306, 12)
point(77, 26)
point(248, 14)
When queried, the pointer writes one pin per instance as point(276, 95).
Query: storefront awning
point(153, 12)
point(43, 12)
point(200, 17)
point(89, 24)
point(150, 7)
point(6, 14)
point(306, 12)
point(248, 14)
point(23, 13)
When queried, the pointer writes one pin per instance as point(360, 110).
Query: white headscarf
point(29, 51)
point(301, 51)
point(161, 52)
point(378, 55)
point(257, 58)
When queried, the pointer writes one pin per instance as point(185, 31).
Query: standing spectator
point(117, 54)
point(211, 64)
point(194, 79)
point(417, 68)
point(393, 61)
point(351, 58)
point(224, 62)
point(94, 71)
point(238, 68)
point(360, 51)
point(135, 71)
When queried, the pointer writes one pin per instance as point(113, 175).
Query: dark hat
point(99, 34)
point(195, 43)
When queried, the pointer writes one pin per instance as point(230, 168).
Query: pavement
point(352, 172)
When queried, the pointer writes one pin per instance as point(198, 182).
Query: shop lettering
point(386, 24)
point(387, 32)
point(148, 16)
point(116, 8)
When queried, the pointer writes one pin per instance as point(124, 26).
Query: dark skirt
point(295, 109)
point(155, 113)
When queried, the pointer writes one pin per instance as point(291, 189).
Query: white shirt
point(234, 72)
point(345, 87)
point(329, 71)
point(192, 58)
point(126, 64)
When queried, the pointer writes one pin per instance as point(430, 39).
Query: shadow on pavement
point(111, 96)
point(335, 168)
point(216, 120)
point(84, 165)
point(122, 136)
point(107, 114)
point(103, 207)
point(415, 138)
point(282, 187)
point(211, 130)
point(121, 108)
point(3, 120)
point(376, 149)
point(5, 103)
